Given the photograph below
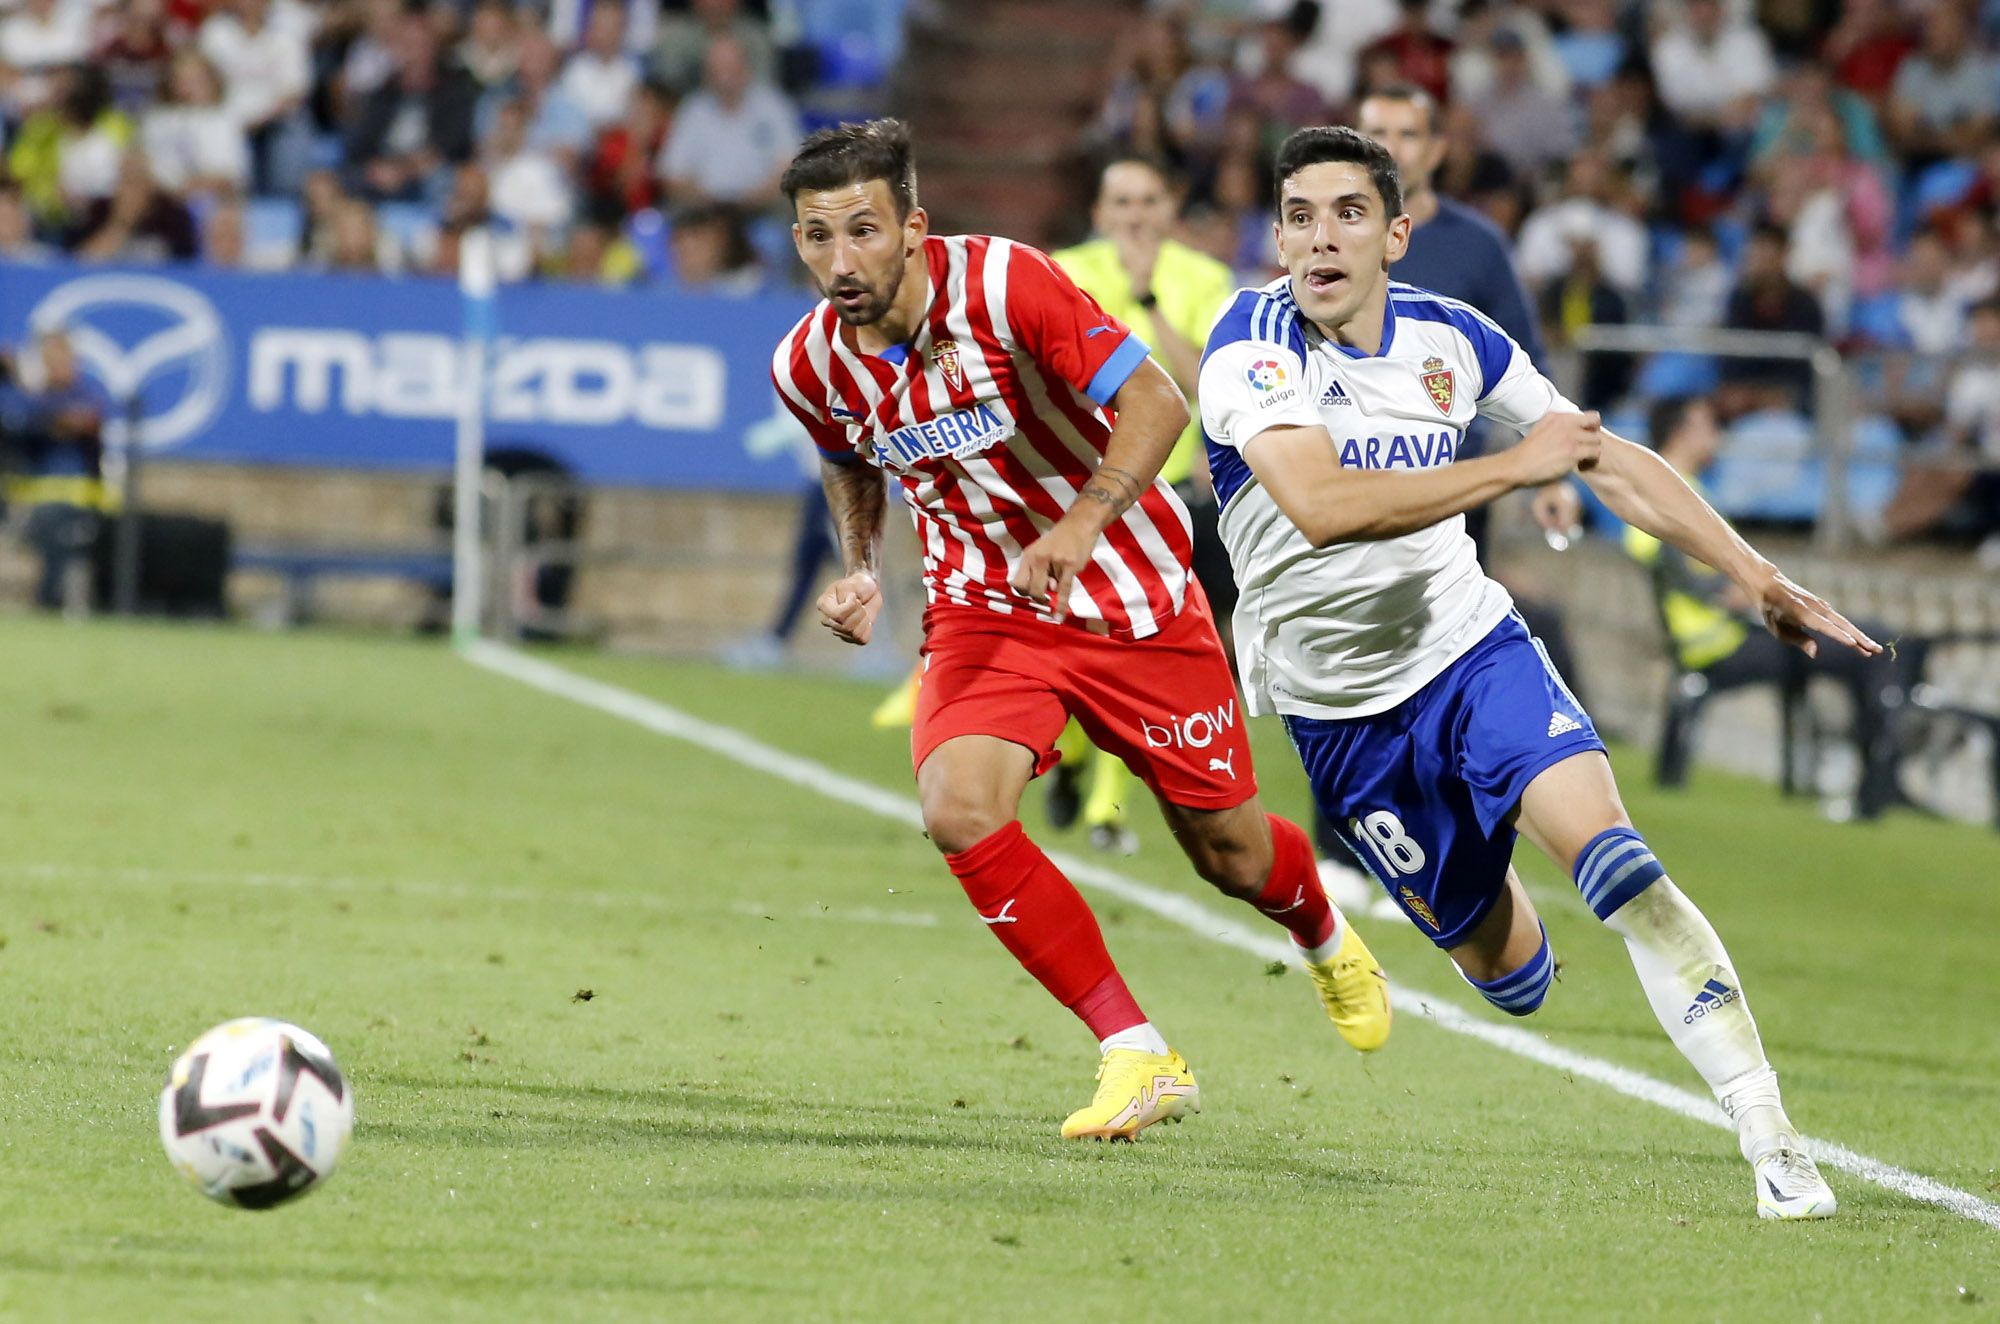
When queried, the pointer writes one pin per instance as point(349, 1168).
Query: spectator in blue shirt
point(51, 422)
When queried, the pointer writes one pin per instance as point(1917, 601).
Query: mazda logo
point(147, 340)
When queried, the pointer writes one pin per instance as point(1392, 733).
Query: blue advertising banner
point(624, 388)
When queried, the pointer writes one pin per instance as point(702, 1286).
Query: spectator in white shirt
point(266, 71)
point(1545, 248)
point(1711, 69)
point(40, 36)
point(1930, 313)
point(1527, 125)
point(732, 140)
point(1942, 103)
point(195, 146)
point(1696, 292)
point(528, 187)
point(601, 77)
point(683, 43)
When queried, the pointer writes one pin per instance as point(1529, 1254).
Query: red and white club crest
point(944, 357)
point(1437, 380)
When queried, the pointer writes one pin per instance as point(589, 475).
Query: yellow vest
point(1191, 288)
point(1702, 632)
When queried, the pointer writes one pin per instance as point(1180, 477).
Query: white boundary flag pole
point(476, 281)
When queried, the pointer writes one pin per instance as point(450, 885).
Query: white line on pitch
point(1191, 915)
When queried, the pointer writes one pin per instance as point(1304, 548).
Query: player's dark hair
point(1310, 147)
point(1410, 94)
point(1666, 415)
point(854, 154)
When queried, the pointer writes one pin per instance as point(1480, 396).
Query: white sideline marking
point(916, 919)
point(1191, 915)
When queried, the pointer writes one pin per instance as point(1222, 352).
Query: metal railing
point(1832, 411)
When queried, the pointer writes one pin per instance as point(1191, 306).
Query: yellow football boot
point(899, 706)
point(1354, 991)
point(1135, 1090)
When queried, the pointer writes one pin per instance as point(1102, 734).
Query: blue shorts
point(1422, 793)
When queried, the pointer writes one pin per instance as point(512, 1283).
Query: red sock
point(1292, 894)
point(1037, 915)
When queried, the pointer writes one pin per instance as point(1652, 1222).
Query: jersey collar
point(1388, 333)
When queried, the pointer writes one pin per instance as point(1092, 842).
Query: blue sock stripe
point(1606, 864)
point(1603, 849)
point(1616, 866)
point(1519, 992)
point(1515, 980)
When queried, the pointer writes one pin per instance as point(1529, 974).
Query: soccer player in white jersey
point(1429, 722)
point(1027, 429)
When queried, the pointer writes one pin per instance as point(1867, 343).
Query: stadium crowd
point(1829, 166)
point(1825, 166)
point(611, 143)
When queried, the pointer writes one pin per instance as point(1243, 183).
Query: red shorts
point(1166, 704)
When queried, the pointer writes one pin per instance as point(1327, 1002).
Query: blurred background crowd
point(611, 143)
point(1830, 167)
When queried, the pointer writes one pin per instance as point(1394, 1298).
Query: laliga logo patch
point(944, 357)
point(1437, 380)
point(1266, 375)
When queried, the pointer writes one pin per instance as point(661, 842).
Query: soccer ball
point(255, 1113)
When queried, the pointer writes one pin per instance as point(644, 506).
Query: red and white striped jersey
point(993, 419)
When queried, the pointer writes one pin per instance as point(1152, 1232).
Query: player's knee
point(1613, 867)
point(1522, 990)
point(956, 822)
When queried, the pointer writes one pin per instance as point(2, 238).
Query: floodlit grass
point(806, 1084)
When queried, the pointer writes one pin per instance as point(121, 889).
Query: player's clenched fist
point(850, 605)
point(1558, 445)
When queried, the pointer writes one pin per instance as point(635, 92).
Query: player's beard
point(875, 307)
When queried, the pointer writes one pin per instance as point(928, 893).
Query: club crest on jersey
point(1417, 905)
point(944, 357)
point(1437, 380)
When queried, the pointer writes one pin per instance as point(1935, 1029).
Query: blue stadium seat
point(273, 225)
point(408, 224)
point(1769, 469)
point(648, 231)
point(1673, 374)
point(1876, 437)
point(1878, 319)
point(772, 238)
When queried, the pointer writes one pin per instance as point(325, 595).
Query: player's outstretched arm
point(1332, 504)
point(1151, 415)
point(1645, 491)
point(855, 496)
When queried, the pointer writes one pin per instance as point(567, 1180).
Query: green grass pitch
point(807, 1084)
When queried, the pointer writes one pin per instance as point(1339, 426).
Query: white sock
point(1323, 953)
point(1141, 1037)
point(1699, 1001)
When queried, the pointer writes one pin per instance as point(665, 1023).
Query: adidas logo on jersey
point(1334, 395)
point(1561, 724)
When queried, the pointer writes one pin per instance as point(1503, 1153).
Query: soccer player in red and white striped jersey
point(1027, 429)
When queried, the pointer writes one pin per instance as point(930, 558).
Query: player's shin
point(1292, 894)
point(1688, 979)
point(1037, 914)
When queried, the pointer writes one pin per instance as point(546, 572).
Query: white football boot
point(1788, 1182)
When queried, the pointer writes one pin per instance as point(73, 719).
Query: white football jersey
point(1356, 628)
